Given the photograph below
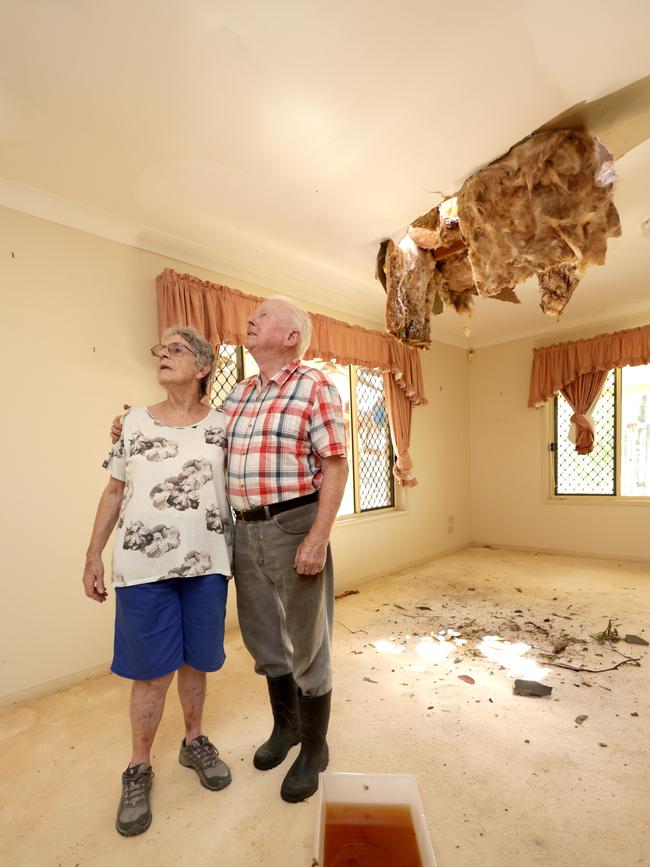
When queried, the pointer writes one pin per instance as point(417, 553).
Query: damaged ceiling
point(545, 209)
point(278, 146)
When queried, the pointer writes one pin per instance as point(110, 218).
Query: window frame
point(551, 459)
point(356, 463)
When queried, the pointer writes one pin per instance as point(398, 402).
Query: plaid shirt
point(277, 435)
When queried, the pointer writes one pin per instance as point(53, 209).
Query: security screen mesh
point(593, 473)
point(376, 486)
point(230, 369)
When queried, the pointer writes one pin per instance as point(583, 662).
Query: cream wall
point(509, 465)
point(79, 318)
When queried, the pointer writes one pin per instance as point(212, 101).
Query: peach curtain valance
point(556, 366)
point(221, 314)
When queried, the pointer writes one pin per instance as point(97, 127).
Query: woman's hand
point(116, 426)
point(105, 520)
point(93, 579)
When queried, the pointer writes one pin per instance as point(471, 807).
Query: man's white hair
point(300, 320)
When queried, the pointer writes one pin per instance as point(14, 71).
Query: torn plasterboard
point(547, 203)
point(545, 209)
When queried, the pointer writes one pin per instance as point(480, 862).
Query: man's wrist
point(317, 537)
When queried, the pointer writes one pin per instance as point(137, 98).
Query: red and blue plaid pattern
point(278, 434)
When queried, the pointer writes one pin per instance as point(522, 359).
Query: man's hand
point(116, 426)
point(312, 553)
point(310, 556)
point(93, 579)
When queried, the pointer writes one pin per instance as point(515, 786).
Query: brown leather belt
point(263, 513)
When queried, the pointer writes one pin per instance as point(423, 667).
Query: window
point(229, 371)
point(372, 443)
point(370, 484)
point(619, 464)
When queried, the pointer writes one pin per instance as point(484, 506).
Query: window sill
point(590, 500)
point(362, 517)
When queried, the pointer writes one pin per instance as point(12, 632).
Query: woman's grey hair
point(204, 352)
point(300, 320)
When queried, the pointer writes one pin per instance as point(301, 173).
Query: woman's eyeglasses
point(171, 349)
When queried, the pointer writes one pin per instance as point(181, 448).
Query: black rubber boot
point(302, 778)
point(286, 723)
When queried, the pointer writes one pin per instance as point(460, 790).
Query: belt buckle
point(243, 519)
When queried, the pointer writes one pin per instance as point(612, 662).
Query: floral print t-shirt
point(175, 521)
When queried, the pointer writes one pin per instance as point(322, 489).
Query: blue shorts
point(166, 624)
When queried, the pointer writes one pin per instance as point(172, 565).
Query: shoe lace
point(206, 753)
point(135, 791)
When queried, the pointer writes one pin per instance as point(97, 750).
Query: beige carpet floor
point(506, 780)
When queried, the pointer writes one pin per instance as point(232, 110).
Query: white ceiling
point(280, 142)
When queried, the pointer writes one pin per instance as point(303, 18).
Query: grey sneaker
point(203, 756)
point(134, 812)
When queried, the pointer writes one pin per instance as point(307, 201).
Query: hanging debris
point(408, 272)
point(456, 284)
point(437, 232)
point(543, 209)
point(547, 203)
point(557, 285)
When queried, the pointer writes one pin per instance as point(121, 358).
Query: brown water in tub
point(370, 835)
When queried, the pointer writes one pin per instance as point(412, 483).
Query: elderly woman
point(172, 557)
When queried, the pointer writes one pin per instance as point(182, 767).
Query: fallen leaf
point(346, 593)
point(423, 608)
point(466, 678)
point(370, 680)
point(581, 718)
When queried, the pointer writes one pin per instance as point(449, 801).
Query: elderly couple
point(276, 454)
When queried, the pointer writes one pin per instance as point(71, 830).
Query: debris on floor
point(531, 688)
point(636, 639)
point(610, 633)
point(560, 645)
point(527, 638)
point(581, 718)
point(346, 593)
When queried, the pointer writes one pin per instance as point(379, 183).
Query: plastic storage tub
point(368, 789)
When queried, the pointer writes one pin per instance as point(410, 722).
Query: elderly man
point(287, 471)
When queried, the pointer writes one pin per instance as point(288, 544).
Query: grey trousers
point(285, 618)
